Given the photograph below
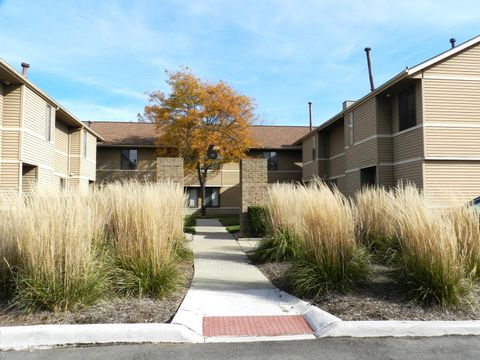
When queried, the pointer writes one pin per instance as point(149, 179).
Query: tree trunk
point(202, 179)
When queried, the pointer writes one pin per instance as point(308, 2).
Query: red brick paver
point(255, 325)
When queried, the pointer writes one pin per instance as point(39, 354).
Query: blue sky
point(99, 58)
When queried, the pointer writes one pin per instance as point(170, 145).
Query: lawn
point(231, 222)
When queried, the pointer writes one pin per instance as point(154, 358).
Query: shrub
point(376, 220)
point(431, 264)
point(52, 258)
point(258, 217)
point(144, 230)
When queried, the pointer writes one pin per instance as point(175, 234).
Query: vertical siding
point(412, 171)
point(452, 180)
point(12, 103)
point(364, 120)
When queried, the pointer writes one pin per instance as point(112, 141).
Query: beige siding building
point(423, 125)
point(42, 145)
point(129, 152)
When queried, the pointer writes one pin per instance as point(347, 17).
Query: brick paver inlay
point(255, 325)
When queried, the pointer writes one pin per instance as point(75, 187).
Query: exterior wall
point(109, 160)
point(410, 171)
point(254, 188)
point(61, 160)
point(364, 120)
point(452, 181)
point(170, 169)
point(310, 167)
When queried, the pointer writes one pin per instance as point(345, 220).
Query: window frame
point(407, 108)
point(271, 159)
point(122, 158)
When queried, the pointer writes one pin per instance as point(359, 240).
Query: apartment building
point(129, 151)
point(42, 145)
point(423, 125)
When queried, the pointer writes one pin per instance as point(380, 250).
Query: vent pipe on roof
point(25, 67)
point(369, 63)
point(310, 114)
point(452, 42)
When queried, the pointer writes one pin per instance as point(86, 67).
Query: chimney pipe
point(453, 41)
point(25, 67)
point(369, 63)
point(310, 114)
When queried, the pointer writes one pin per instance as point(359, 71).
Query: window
point(84, 143)
point(192, 194)
point(128, 159)
point(272, 160)
point(368, 176)
point(349, 128)
point(63, 183)
point(213, 197)
point(407, 109)
point(48, 123)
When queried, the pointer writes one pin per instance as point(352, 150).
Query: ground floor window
point(368, 176)
point(192, 194)
point(213, 197)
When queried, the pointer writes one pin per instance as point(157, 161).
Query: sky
point(101, 58)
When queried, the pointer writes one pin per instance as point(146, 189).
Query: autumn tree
point(199, 120)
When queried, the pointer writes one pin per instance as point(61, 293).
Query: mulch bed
point(117, 310)
point(380, 299)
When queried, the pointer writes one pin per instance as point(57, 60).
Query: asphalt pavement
point(439, 348)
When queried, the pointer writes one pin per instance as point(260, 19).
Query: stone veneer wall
point(170, 169)
point(253, 189)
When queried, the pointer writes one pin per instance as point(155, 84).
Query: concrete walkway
point(226, 284)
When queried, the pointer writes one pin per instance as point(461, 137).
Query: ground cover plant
point(66, 250)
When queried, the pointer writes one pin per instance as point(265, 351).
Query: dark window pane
point(213, 197)
point(128, 159)
point(272, 160)
point(407, 111)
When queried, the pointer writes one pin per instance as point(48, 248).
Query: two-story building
point(422, 125)
point(42, 145)
point(129, 151)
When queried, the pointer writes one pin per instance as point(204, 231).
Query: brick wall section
point(170, 169)
point(254, 188)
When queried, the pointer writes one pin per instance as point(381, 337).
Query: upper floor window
point(407, 111)
point(349, 128)
point(85, 143)
point(48, 123)
point(272, 160)
point(128, 159)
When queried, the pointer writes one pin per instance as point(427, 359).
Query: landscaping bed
point(110, 311)
point(380, 299)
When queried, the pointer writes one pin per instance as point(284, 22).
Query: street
point(451, 348)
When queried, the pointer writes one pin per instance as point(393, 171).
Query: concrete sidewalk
point(226, 284)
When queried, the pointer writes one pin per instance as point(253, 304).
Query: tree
point(199, 117)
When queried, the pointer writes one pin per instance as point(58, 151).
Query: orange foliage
point(197, 114)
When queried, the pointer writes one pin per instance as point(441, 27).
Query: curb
point(393, 328)
point(48, 336)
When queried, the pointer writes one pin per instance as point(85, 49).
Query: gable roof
point(145, 134)
point(9, 74)
point(408, 72)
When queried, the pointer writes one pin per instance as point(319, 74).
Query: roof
point(145, 134)
point(408, 72)
point(9, 74)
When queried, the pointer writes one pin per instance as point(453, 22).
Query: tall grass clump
point(431, 263)
point(466, 222)
point(144, 229)
point(330, 257)
point(284, 225)
point(49, 257)
point(376, 219)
